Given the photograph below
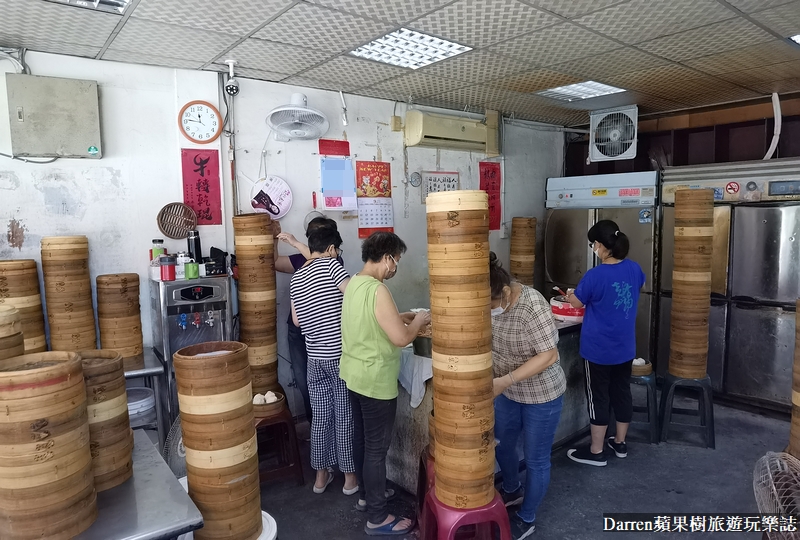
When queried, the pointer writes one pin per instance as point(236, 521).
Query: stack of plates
point(141, 406)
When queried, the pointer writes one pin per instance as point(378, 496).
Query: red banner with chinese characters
point(490, 183)
point(201, 188)
point(332, 147)
point(373, 179)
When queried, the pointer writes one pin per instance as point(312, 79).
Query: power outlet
point(397, 123)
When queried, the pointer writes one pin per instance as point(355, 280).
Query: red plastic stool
point(442, 522)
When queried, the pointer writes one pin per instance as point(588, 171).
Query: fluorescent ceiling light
point(108, 6)
point(796, 38)
point(577, 91)
point(409, 49)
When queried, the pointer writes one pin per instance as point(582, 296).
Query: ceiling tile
point(781, 87)
point(783, 19)
point(474, 96)
point(574, 8)
point(640, 20)
point(720, 96)
point(478, 23)
point(43, 45)
point(312, 83)
point(765, 74)
point(314, 27)
point(653, 104)
point(239, 17)
point(531, 107)
point(418, 85)
point(348, 73)
point(154, 38)
point(749, 6)
point(277, 57)
point(533, 81)
point(374, 92)
point(249, 73)
point(476, 67)
point(553, 45)
point(746, 57)
point(601, 66)
point(54, 23)
point(670, 82)
point(712, 39)
point(150, 59)
point(394, 12)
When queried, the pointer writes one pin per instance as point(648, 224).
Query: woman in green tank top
point(373, 331)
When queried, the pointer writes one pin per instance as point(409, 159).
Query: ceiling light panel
point(577, 91)
point(109, 6)
point(796, 38)
point(409, 49)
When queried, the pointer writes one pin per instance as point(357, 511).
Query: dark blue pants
point(299, 357)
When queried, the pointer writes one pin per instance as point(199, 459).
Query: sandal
point(390, 496)
point(327, 483)
point(388, 529)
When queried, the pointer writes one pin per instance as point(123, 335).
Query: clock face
point(200, 122)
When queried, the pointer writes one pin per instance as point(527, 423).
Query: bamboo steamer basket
point(522, 255)
point(694, 230)
point(109, 426)
point(46, 485)
point(794, 432)
point(220, 439)
point(458, 268)
point(119, 317)
point(11, 346)
point(9, 321)
point(270, 409)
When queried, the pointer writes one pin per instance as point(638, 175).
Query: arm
point(343, 285)
point(408, 316)
point(283, 264)
point(392, 323)
point(534, 366)
point(573, 300)
point(294, 316)
point(295, 243)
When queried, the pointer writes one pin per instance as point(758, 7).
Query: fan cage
point(776, 486)
point(615, 134)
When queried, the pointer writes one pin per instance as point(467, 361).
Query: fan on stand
point(297, 121)
point(776, 484)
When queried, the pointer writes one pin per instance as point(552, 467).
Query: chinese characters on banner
point(435, 181)
point(373, 179)
point(490, 183)
point(201, 189)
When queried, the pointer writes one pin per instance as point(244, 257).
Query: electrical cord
point(29, 160)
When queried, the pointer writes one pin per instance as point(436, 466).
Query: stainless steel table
point(154, 375)
point(150, 506)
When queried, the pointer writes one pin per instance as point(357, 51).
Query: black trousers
point(299, 357)
point(609, 387)
point(373, 422)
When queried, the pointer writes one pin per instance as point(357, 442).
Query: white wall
point(114, 201)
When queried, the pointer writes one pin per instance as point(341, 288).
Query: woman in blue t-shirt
point(610, 293)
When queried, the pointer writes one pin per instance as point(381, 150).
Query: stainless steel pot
point(423, 346)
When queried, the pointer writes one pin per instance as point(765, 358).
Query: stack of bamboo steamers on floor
point(458, 263)
point(61, 441)
point(19, 288)
point(119, 317)
point(216, 408)
point(257, 307)
point(691, 282)
point(68, 293)
point(523, 249)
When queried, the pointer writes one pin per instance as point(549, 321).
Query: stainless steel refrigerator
point(575, 204)
point(755, 275)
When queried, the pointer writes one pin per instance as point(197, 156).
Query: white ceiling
point(670, 54)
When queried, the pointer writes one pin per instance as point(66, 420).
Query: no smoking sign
point(732, 188)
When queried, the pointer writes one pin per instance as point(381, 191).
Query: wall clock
point(200, 122)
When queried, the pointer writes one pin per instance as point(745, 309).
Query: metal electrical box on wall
point(50, 117)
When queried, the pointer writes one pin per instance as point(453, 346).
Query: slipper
point(352, 491)
point(327, 483)
point(390, 496)
point(387, 530)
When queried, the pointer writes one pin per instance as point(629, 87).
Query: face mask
point(497, 311)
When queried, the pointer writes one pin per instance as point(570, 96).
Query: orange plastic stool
point(442, 522)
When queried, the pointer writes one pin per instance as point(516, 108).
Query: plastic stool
point(705, 407)
point(278, 429)
point(649, 381)
point(442, 521)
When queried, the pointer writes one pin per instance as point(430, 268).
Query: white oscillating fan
point(776, 485)
point(297, 121)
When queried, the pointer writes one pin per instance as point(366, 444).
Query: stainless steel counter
point(150, 506)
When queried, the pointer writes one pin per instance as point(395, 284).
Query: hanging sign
point(435, 181)
point(201, 189)
point(271, 195)
point(490, 182)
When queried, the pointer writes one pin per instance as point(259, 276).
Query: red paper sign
point(366, 232)
point(201, 189)
point(330, 147)
point(490, 183)
point(373, 179)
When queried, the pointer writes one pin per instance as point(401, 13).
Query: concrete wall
point(114, 201)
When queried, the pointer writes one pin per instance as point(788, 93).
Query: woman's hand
point(500, 384)
point(288, 238)
point(424, 317)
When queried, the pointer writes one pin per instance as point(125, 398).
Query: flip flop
point(387, 530)
point(327, 483)
point(390, 496)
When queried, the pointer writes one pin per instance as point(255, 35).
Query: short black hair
point(380, 244)
point(607, 233)
point(322, 238)
point(498, 276)
point(320, 223)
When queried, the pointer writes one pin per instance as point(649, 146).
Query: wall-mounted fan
point(297, 121)
point(613, 134)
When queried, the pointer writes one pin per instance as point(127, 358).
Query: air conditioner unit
point(458, 133)
point(613, 134)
